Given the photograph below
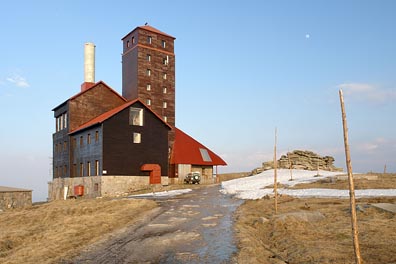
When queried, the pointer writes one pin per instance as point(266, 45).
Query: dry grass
point(291, 240)
point(49, 232)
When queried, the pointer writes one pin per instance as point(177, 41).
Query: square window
point(136, 116)
point(148, 102)
point(164, 90)
point(137, 138)
point(164, 44)
point(148, 87)
point(149, 39)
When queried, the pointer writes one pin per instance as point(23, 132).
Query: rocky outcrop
point(303, 160)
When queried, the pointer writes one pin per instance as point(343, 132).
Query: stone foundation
point(98, 186)
point(15, 199)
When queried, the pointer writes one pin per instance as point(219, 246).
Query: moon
point(307, 36)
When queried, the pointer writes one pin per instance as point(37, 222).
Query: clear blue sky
point(242, 69)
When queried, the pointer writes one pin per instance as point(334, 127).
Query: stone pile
point(303, 160)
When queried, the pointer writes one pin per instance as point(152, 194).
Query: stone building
point(14, 198)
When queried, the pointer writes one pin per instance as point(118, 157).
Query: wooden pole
point(275, 175)
point(358, 259)
point(385, 169)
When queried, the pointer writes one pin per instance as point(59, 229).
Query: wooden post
point(358, 259)
point(385, 169)
point(290, 166)
point(275, 176)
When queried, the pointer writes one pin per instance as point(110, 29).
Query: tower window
point(149, 39)
point(133, 40)
point(137, 138)
point(164, 104)
point(136, 116)
point(148, 72)
point(164, 76)
point(148, 101)
point(164, 44)
point(164, 90)
point(165, 118)
point(148, 57)
point(166, 60)
point(128, 44)
point(148, 87)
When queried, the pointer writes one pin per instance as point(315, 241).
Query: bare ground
point(317, 230)
point(49, 232)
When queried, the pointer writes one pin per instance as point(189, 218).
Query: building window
point(164, 104)
point(81, 169)
point(136, 116)
point(128, 44)
point(89, 139)
point(137, 138)
point(88, 168)
point(133, 40)
point(65, 120)
point(148, 57)
point(164, 90)
point(81, 141)
point(164, 44)
point(148, 102)
point(166, 60)
point(165, 118)
point(164, 76)
point(148, 87)
point(74, 143)
point(96, 167)
point(148, 72)
point(149, 39)
point(96, 136)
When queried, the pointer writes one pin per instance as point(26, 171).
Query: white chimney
point(89, 62)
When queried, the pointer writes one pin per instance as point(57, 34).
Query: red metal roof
point(187, 150)
point(101, 118)
point(152, 29)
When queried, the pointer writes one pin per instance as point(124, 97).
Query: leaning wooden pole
point(275, 176)
point(358, 259)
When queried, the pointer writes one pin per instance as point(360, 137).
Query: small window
point(81, 141)
point(128, 44)
point(148, 87)
point(74, 142)
point(205, 155)
point(164, 105)
point(166, 60)
point(81, 169)
point(88, 168)
point(97, 167)
point(148, 57)
point(89, 139)
point(137, 138)
point(148, 72)
point(164, 76)
point(148, 102)
point(96, 136)
point(65, 120)
point(149, 39)
point(133, 40)
point(165, 118)
point(164, 44)
point(164, 90)
point(136, 116)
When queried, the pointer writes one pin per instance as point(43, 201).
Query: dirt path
point(192, 228)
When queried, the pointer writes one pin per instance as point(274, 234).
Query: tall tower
point(148, 71)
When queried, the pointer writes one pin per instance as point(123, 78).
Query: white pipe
point(89, 62)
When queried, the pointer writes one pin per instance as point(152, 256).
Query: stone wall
point(303, 160)
point(15, 199)
point(98, 186)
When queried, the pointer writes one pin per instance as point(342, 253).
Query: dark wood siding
point(123, 157)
